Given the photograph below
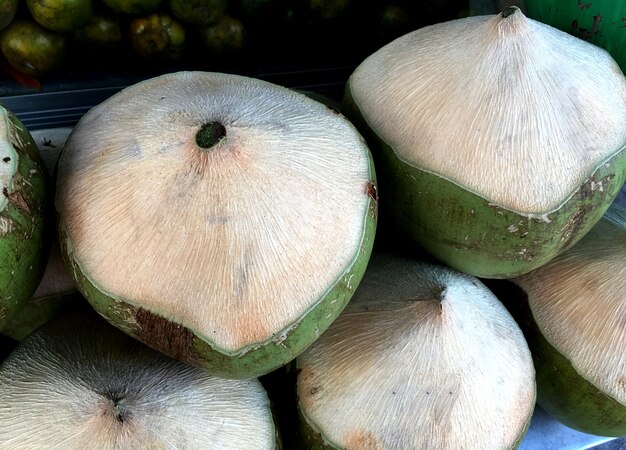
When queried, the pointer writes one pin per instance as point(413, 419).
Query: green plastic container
point(602, 22)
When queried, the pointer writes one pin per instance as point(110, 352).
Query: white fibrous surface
point(511, 109)
point(578, 300)
point(235, 242)
point(86, 385)
point(423, 357)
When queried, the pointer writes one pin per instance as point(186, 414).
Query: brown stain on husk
point(163, 335)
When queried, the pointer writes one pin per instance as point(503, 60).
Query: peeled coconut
point(23, 247)
point(573, 316)
point(79, 383)
point(222, 220)
point(423, 357)
point(501, 140)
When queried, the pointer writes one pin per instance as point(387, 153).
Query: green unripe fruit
point(133, 6)
point(60, 15)
point(198, 12)
point(8, 8)
point(31, 48)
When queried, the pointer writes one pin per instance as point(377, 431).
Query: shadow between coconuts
point(37, 312)
point(469, 233)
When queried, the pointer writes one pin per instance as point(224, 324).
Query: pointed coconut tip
point(508, 12)
point(506, 107)
point(578, 303)
point(228, 207)
point(422, 357)
point(80, 383)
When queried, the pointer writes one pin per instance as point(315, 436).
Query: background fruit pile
point(44, 36)
point(242, 34)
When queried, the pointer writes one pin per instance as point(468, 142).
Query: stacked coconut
point(499, 143)
point(224, 222)
point(221, 225)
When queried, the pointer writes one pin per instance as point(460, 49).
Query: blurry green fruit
point(157, 36)
point(133, 6)
point(8, 8)
point(60, 15)
point(198, 12)
point(227, 36)
point(101, 32)
point(31, 48)
point(258, 12)
point(323, 9)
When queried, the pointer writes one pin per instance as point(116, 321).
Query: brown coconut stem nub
point(210, 134)
point(509, 11)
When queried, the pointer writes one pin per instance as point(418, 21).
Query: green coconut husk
point(475, 160)
point(571, 311)
point(24, 241)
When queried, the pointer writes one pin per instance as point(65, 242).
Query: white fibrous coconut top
point(578, 300)
point(8, 164)
point(509, 108)
point(423, 357)
point(235, 242)
point(80, 386)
